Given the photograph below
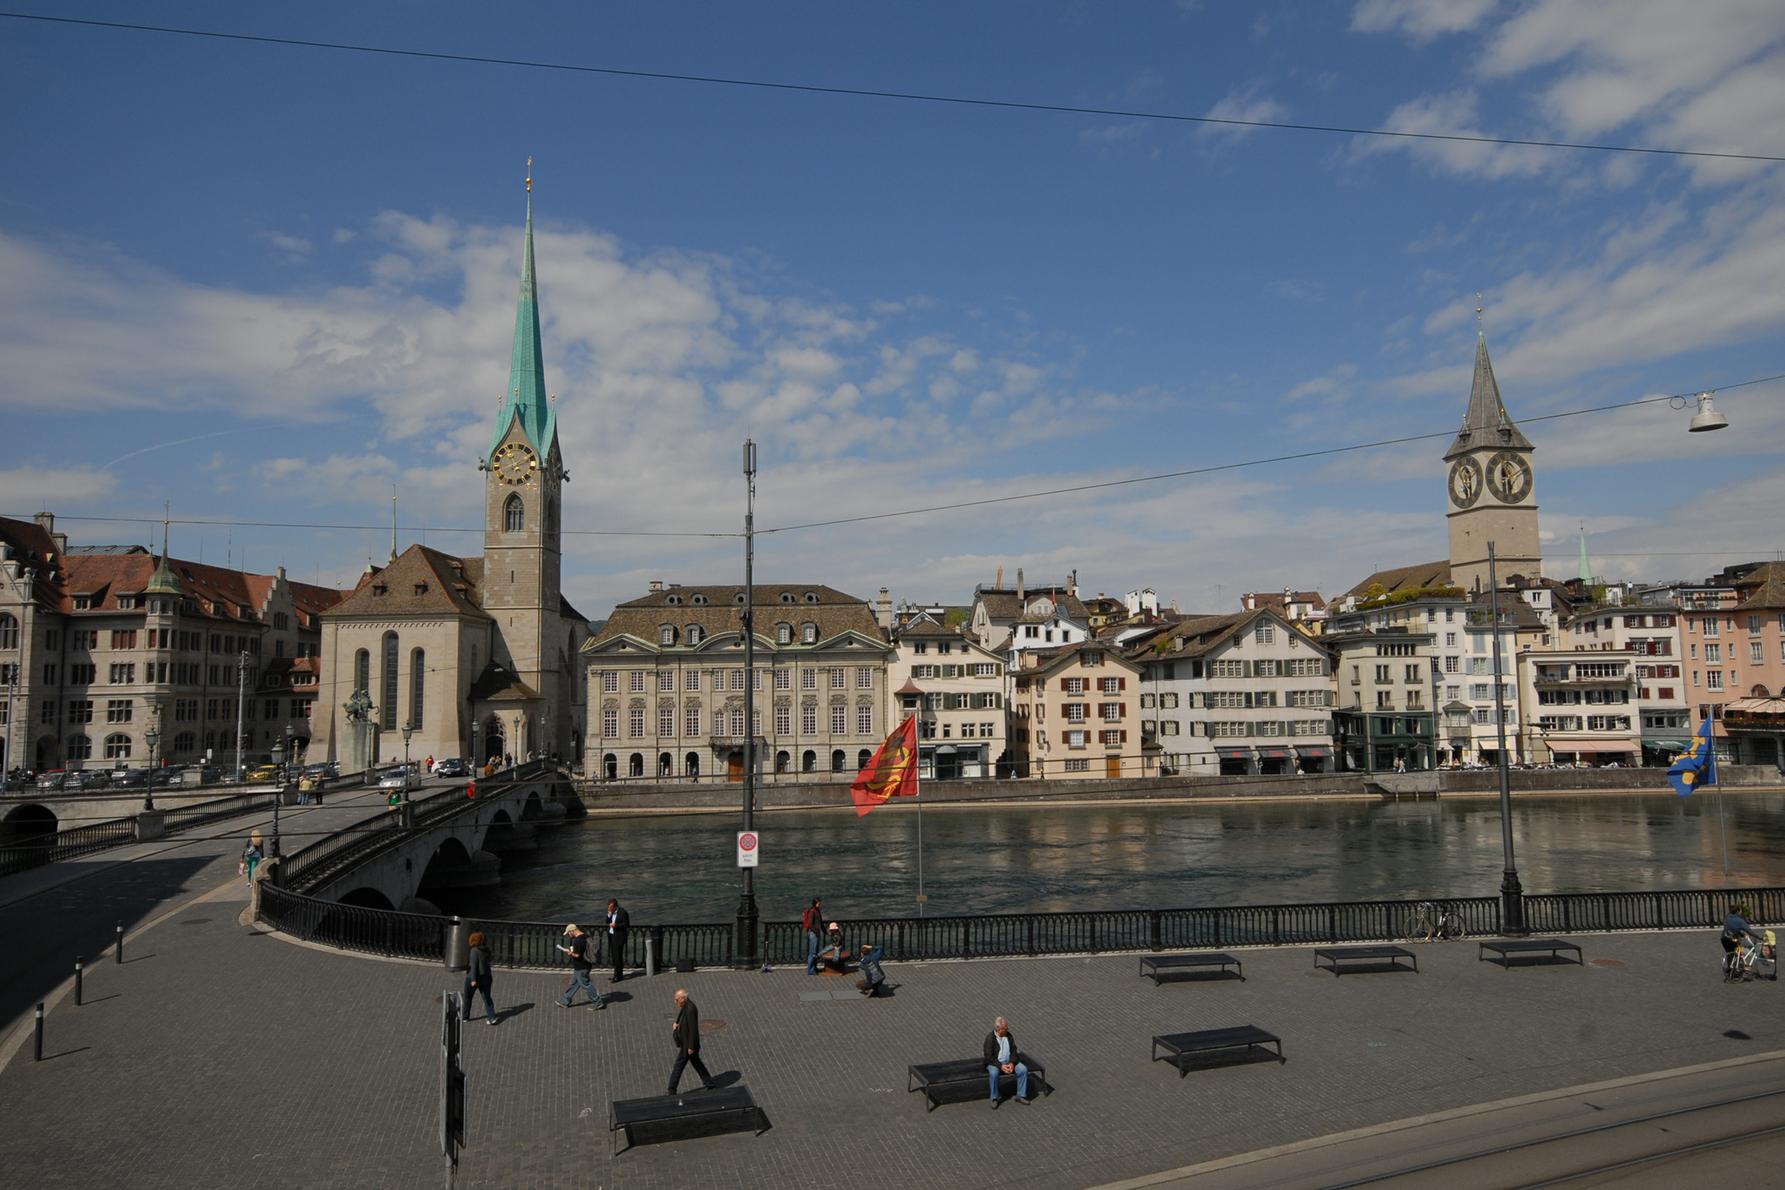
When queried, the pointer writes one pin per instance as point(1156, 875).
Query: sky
point(265, 284)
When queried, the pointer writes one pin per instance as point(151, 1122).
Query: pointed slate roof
point(526, 397)
point(1486, 424)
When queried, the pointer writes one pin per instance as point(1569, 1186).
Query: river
point(680, 868)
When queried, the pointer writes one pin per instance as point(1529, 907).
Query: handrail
point(532, 944)
point(114, 832)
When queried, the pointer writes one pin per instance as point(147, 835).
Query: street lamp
point(748, 918)
point(1512, 894)
point(408, 730)
point(476, 738)
point(151, 737)
point(514, 745)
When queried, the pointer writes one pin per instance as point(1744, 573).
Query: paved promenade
point(222, 1056)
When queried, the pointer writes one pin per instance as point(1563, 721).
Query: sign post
point(452, 1086)
point(749, 849)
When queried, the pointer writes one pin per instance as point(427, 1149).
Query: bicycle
point(1750, 960)
point(1435, 920)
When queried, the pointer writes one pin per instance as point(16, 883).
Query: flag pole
point(1710, 747)
point(917, 774)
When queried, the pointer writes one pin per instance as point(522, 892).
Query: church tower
point(1491, 488)
point(523, 480)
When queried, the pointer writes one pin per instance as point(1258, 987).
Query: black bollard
point(120, 942)
point(37, 1040)
point(77, 983)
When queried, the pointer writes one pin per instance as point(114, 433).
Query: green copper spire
point(526, 396)
point(163, 581)
point(1586, 567)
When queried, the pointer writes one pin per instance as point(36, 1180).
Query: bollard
point(77, 983)
point(120, 942)
point(37, 1041)
point(650, 954)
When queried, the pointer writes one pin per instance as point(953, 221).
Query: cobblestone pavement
point(220, 1056)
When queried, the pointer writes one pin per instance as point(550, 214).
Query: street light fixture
point(1707, 418)
point(151, 737)
point(408, 730)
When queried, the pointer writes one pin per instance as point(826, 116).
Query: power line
point(904, 96)
point(1215, 468)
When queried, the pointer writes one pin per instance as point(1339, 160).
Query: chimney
point(1019, 584)
point(883, 612)
point(656, 586)
point(998, 582)
point(47, 522)
point(1072, 583)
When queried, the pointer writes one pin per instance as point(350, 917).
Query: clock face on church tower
point(1465, 482)
point(514, 463)
point(1509, 476)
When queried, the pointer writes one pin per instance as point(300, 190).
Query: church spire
point(526, 397)
point(1586, 567)
point(1486, 424)
point(163, 581)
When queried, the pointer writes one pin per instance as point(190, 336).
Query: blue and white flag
point(1697, 766)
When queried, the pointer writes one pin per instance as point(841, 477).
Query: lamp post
point(1512, 894)
point(748, 918)
point(408, 730)
point(476, 738)
point(278, 751)
point(514, 745)
point(151, 737)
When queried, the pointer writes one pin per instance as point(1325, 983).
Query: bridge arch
point(26, 823)
point(370, 898)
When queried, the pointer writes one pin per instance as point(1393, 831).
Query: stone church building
point(476, 656)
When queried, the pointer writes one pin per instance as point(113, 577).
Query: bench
point(1335, 955)
point(623, 1115)
point(1154, 964)
point(968, 1072)
point(1505, 948)
point(1241, 1040)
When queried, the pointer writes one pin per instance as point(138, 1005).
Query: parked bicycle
point(1753, 960)
point(1435, 920)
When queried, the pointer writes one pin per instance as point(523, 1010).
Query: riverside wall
point(771, 794)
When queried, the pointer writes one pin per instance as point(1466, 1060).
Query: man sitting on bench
point(872, 975)
point(1001, 1059)
point(834, 956)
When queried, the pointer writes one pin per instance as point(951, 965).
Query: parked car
point(19, 778)
point(206, 774)
point(401, 777)
point(88, 780)
point(129, 778)
point(264, 772)
point(452, 766)
point(163, 776)
point(54, 779)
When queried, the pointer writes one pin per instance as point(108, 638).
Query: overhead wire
point(901, 96)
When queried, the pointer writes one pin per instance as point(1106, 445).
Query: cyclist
point(1735, 928)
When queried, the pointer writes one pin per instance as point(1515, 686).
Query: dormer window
point(666, 635)
point(811, 598)
point(808, 633)
point(673, 600)
point(697, 599)
point(82, 602)
point(783, 634)
point(421, 588)
point(380, 589)
point(696, 634)
point(738, 598)
point(787, 597)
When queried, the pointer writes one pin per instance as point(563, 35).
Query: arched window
point(837, 761)
point(666, 635)
point(691, 766)
point(783, 634)
point(808, 761)
point(514, 514)
point(387, 711)
point(610, 765)
point(418, 670)
point(862, 758)
point(783, 762)
point(666, 765)
point(362, 672)
point(808, 633)
point(9, 632)
point(636, 766)
point(117, 746)
point(79, 747)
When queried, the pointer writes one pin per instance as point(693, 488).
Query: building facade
point(471, 656)
point(1073, 715)
point(1733, 629)
point(1386, 687)
point(957, 690)
point(666, 679)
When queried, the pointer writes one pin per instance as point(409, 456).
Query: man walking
point(580, 964)
point(619, 924)
point(1001, 1059)
point(813, 921)
point(686, 1032)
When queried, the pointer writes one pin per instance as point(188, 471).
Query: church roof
point(497, 684)
point(1486, 423)
point(526, 398)
point(420, 581)
point(1406, 578)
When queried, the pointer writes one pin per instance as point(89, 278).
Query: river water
point(997, 860)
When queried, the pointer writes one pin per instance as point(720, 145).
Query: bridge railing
point(82, 840)
point(525, 944)
point(205, 813)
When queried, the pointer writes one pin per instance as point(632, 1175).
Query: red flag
point(891, 773)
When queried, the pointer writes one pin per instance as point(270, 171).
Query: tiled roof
point(1001, 603)
point(216, 591)
point(32, 546)
point(718, 610)
point(1768, 588)
point(1407, 578)
point(1202, 636)
point(421, 581)
point(1043, 661)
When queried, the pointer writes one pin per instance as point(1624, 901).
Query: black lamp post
point(1512, 894)
point(151, 737)
point(748, 917)
point(408, 730)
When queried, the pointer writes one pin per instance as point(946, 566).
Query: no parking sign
point(749, 849)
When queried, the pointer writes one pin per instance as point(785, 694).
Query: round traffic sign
point(747, 840)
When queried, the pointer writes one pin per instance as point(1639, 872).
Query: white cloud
point(32, 489)
point(1244, 104)
point(1419, 19)
point(290, 246)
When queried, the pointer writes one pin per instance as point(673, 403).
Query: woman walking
point(477, 978)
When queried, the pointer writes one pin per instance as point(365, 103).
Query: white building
point(957, 689)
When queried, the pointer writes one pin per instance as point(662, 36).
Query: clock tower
point(523, 481)
point(1491, 488)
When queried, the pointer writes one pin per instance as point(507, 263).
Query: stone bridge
point(31, 814)
point(448, 845)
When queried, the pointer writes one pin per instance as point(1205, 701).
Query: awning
point(1234, 753)
point(1274, 753)
point(1667, 745)
point(1593, 746)
point(1313, 749)
point(945, 750)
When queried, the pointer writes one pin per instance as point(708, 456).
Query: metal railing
point(205, 813)
point(82, 840)
point(527, 944)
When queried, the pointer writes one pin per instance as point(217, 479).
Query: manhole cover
point(710, 1024)
point(1606, 962)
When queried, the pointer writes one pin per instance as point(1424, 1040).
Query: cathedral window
point(362, 671)
point(9, 632)
point(387, 714)
point(418, 669)
point(514, 515)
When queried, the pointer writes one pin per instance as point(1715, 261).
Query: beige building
point(474, 656)
point(957, 690)
point(666, 683)
point(1491, 488)
point(101, 645)
point(1074, 714)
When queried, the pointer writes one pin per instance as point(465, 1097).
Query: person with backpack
point(813, 922)
point(581, 963)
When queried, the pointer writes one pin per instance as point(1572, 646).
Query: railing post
point(902, 951)
point(966, 938)
point(1276, 926)
point(1153, 929)
point(1029, 931)
point(1093, 933)
point(77, 982)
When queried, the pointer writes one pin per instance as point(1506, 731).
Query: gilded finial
point(529, 173)
point(1478, 307)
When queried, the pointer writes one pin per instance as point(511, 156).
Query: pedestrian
point(477, 978)
point(619, 925)
point(686, 1032)
point(580, 965)
point(252, 854)
point(1002, 1058)
point(813, 921)
point(430, 763)
point(833, 951)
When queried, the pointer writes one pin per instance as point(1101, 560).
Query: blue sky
point(312, 255)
